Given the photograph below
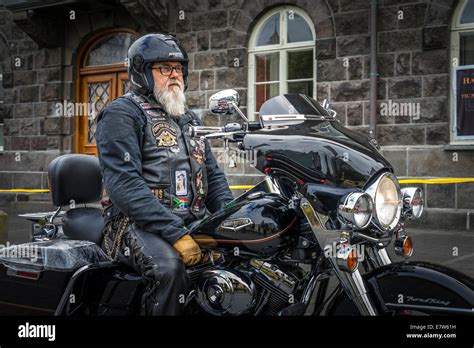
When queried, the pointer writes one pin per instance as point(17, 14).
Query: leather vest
point(173, 162)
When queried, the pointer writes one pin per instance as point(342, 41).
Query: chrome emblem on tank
point(236, 224)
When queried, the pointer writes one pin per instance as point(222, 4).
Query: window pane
point(467, 49)
point(465, 102)
point(265, 92)
point(305, 87)
point(111, 50)
point(270, 32)
point(125, 86)
point(98, 97)
point(298, 29)
point(300, 65)
point(267, 67)
point(468, 13)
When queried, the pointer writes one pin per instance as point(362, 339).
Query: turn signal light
point(347, 258)
point(353, 260)
point(403, 246)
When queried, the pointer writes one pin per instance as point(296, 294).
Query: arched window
point(281, 56)
point(462, 74)
point(102, 77)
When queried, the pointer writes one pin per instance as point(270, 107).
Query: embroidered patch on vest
point(199, 183)
point(164, 134)
point(158, 193)
point(198, 151)
point(153, 113)
point(197, 204)
point(181, 179)
point(180, 203)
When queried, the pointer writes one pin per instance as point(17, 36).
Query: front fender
point(419, 287)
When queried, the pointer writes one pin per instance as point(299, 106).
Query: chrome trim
point(384, 257)
point(225, 292)
point(352, 283)
point(371, 239)
point(56, 213)
point(236, 224)
point(224, 102)
point(274, 275)
point(344, 250)
point(347, 209)
point(288, 119)
point(408, 194)
point(309, 289)
point(355, 288)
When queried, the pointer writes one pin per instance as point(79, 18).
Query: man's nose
point(174, 73)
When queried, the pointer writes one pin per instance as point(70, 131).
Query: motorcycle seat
point(84, 224)
point(77, 179)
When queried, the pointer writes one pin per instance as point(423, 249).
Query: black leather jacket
point(129, 155)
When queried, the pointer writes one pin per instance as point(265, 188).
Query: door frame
point(119, 68)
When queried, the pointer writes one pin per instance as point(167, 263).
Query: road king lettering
point(37, 331)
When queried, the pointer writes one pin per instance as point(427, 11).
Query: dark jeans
point(157, 261)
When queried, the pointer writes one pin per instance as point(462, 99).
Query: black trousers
point(158, 262)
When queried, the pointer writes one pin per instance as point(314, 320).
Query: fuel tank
point(254, 224)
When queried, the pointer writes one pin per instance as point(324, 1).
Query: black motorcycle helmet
point(146, 51)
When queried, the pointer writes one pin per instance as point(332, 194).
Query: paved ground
point(451, 248)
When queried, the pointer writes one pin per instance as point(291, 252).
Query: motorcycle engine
point(225, 292)
point(278, 283)
point(231, 291)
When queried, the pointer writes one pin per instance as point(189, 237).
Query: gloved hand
point(188, 249)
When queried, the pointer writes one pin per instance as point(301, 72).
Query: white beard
point(174, 101)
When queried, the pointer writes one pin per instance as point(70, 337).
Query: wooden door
point(97, 91)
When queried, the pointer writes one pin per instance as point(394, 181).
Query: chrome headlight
point(412, 202)
point(356, 209)
point(387, 198)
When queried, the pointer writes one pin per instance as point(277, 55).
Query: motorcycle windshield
point(292, 104)
point(315, 149)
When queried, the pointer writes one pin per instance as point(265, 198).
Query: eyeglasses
point(167, 70)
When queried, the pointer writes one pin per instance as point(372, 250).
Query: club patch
point(165, 134)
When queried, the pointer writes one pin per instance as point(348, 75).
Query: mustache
point(173, 82)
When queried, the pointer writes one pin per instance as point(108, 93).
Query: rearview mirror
point(224, 102)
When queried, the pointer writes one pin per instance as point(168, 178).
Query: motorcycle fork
point(375, 257)
point(351, 282)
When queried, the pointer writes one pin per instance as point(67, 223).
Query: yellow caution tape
point(434, 181)
point(26, 191)
point(431, 181)
point(240, 187)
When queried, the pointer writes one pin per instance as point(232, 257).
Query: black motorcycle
point(329, 206)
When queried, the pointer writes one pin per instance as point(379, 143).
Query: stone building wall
point(413, 64)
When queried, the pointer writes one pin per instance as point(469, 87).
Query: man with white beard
point(158, 178)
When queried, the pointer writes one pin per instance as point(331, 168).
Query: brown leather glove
point(188, 249)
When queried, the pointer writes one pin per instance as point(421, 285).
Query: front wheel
point(343, 306)
point(412, 288)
